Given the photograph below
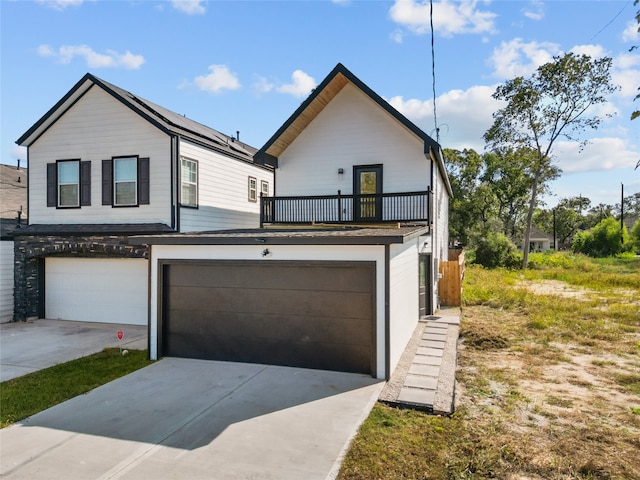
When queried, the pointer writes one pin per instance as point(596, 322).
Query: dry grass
point(548, 384)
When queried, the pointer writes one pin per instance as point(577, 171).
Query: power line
point(433, 71)
point(611, 21)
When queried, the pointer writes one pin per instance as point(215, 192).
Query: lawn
point(548, 382)
point(32, 393)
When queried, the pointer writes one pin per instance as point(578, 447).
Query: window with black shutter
point(69, 184)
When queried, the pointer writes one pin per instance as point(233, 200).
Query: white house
point(106, 164)
point(346, 261)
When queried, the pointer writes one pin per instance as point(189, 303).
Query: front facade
point(346, 261)
point(105, 165)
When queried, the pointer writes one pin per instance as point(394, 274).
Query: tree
point(472, 204)
point(635, 236)
point(507, 176)
point(604, 240)
point(553, 103)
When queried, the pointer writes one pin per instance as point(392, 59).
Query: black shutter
point(143, 181)
point(52, 185)
point(85, 183)
point(107, 182)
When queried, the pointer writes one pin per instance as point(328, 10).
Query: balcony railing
point(366, 208)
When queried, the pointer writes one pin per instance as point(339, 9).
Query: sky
point(245, 66)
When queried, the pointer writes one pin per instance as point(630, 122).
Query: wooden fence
point(452, 272)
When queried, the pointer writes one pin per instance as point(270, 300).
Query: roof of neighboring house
point(266, 237)
point(537, 234)
point(94, 229)
point(320, 98)
point(13, 198)
point(169, 122)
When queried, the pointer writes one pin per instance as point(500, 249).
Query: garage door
point(303, 314)
point(97, 290)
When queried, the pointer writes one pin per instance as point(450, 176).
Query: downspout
point(387, 313)
point(175, 185)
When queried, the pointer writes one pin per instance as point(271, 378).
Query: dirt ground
point(558, 410)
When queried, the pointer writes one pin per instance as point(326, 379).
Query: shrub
point(635, 237)
point(603, 240)
point(496, 250)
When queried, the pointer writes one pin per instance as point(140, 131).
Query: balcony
point(346, 209)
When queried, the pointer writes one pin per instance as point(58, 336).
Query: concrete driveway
point(182, 418)
point(29, 346)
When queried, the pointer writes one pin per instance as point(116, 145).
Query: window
point(253, 189)
point(264, 188)
point(125, 181)
point(69, 183)
point(189, 189)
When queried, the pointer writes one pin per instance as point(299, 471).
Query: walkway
point(425, 376)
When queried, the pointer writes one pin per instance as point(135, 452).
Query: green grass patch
point(32, 393)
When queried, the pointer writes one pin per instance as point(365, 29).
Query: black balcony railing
point(384, 207)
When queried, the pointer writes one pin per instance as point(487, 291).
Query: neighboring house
point(346, 262)
point(13, 201)
point(539, 241)
point(105, 164)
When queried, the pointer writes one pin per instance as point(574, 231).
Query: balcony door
point(367, 181)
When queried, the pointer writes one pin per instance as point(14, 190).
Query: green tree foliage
point(496, 250)
point(472, 203)
point(604, 240)
point(554, 103)
point(635, 237)
point(490, 191)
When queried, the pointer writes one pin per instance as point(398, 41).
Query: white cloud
point(60, 4)
point(604, 153)
point(463, 115)
point(110, 59)
point(594, 51)
point(534, 11)
point(301, 85)
point(341, 2)
point(517, 58)
point(263, 85)
point(19, 152)
point(190, 7)
point(449, 17)
point(630, 33)
point(219, 79)
point(626, 74)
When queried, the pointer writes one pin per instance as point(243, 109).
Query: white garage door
point(96, 290)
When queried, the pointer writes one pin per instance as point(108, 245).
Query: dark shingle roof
point(301, 236)
point(13, 198)
point(95, 229)
point(170, 122)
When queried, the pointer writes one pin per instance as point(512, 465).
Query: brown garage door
point(303, 314)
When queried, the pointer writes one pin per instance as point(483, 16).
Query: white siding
point(277, 252)
point(223, 196)
point(97, 290)
point(6, 281)
point(404, 297)
point(352, 130)
point(97, 128)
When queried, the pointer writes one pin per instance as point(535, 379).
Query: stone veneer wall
point(30, 252)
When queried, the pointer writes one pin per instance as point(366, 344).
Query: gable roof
point(320, 98)
point(169, 122)
point(538, 234)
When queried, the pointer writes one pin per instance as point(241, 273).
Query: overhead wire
point(433, 72)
